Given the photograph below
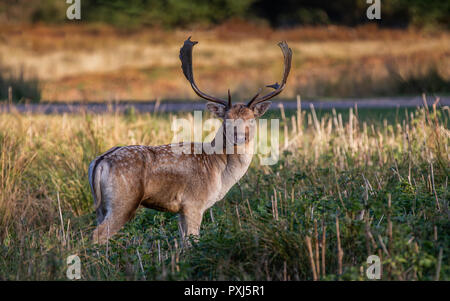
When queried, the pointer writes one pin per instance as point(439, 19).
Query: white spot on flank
point(124, 179)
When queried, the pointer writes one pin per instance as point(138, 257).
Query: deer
point(126, 178)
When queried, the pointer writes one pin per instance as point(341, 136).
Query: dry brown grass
point(334, 165)
point(98, 63)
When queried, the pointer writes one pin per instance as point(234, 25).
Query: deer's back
point(166, 179)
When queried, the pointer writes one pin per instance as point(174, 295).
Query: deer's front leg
point(189, 223)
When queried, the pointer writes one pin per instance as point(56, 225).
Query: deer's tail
point(94, 181)
point(95, 175)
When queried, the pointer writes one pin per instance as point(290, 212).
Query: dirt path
point(60, 108)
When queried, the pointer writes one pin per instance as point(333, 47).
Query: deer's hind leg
point(118, 210)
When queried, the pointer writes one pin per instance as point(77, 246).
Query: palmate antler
point(287, 53)
point(186, 65)
point(117, 197)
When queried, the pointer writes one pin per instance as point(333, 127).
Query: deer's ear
point(261, 108)
point(217, 109)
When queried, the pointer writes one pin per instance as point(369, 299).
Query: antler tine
point(256, 96)
point(186, 65)
point(287, 53)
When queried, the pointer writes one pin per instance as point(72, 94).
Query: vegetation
point(16, 88)
point(98, 64)
point(172, 14)
point(348, 184)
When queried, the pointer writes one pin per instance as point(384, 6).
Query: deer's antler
point(186, 65)
point(287, 53)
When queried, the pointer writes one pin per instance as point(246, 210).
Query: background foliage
point(182, 13)
point(382, 175)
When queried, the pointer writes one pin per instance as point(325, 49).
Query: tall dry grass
point(88, 63)
point(346, 186)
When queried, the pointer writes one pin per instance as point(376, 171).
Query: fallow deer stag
point(158, 177)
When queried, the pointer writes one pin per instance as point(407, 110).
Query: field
point(95, 63)
point(348, 184)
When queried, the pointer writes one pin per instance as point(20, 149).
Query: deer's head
point(240, 116)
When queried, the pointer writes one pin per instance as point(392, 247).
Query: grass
point(18, 88)
point(99, 63)
point(382, 176)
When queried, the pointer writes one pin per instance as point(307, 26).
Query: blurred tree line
point(183, 13)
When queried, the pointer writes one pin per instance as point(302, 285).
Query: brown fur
point(156, 177)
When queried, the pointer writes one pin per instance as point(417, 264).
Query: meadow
point(98, 63)
point(349, 184)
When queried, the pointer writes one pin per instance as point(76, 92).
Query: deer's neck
point(235, 165)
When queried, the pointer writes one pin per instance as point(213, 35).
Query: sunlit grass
point(335, 167)
point(80, 63)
